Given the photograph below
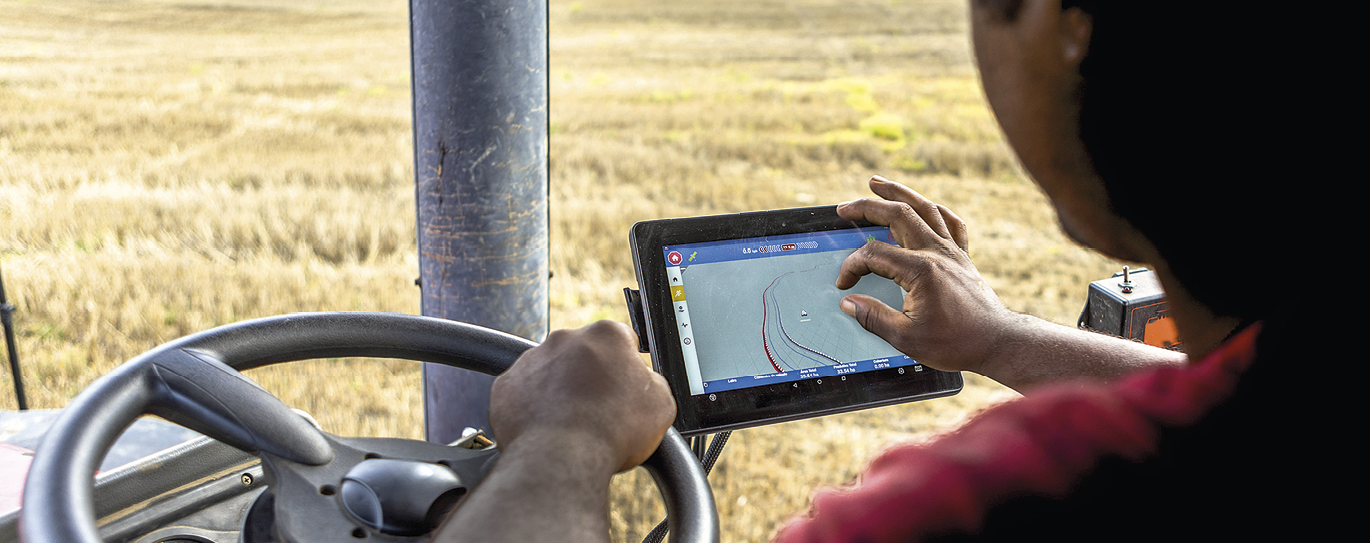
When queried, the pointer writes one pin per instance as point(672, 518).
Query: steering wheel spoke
point(197, 391)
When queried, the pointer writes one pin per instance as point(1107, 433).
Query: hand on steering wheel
point(193, 381)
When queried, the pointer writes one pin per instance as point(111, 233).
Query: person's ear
point(1076, 28)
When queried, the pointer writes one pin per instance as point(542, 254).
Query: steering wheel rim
point(170, 381)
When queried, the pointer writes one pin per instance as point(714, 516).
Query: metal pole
point(7, 321)
point(480, 167)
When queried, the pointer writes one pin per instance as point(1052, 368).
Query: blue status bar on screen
point(764, 247)
point(837, 371)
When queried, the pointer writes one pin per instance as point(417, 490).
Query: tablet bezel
point(765, 404)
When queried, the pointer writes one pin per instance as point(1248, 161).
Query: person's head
point(1160, 132)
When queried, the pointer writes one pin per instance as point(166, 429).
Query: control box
point(1131, 305)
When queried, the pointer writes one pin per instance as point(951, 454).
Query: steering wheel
point(324, 488)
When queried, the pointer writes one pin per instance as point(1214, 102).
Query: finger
point(876, 317)
point(926, 209)
point(959, 232)
point(618, 335)
point(882, 259)
point(907, 226)
point(660, 413)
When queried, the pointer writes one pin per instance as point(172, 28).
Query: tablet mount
point(637, 317)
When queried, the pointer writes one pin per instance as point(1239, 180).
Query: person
point(1128, 118)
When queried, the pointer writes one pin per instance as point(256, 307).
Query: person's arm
point(1034, 351)
point(951, 320)
point(567, 415)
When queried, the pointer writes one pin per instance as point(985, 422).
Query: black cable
point(6, 321)
point(715, 450)
point(710, 457)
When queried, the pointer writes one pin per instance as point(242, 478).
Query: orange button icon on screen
point(677, 293)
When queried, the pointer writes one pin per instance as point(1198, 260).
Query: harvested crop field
point(167, 167)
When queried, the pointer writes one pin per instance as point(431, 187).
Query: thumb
point(875, 316)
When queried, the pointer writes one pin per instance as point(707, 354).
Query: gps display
point(741, 314)
point(764, 310)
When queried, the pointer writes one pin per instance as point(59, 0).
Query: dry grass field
point(169, 166)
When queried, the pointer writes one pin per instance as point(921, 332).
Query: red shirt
point(1040, 445)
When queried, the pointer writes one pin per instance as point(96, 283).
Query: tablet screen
point(741, 314)
point(764, 310)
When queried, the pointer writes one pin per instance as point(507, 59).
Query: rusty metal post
point(480, 166)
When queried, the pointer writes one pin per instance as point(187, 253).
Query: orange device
point(1130, 305)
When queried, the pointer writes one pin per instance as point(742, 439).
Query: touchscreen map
point(759, 311)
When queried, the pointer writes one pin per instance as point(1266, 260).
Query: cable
point(6, 320)
point(710, 457)
point(715, 450)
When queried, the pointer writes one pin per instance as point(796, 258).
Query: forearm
point(1032, 351)
point(551, 490)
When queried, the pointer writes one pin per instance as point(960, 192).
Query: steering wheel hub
point(400, 497)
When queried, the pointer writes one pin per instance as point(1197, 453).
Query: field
point(166, 167)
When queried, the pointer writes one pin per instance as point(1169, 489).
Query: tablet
point(741, 315)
